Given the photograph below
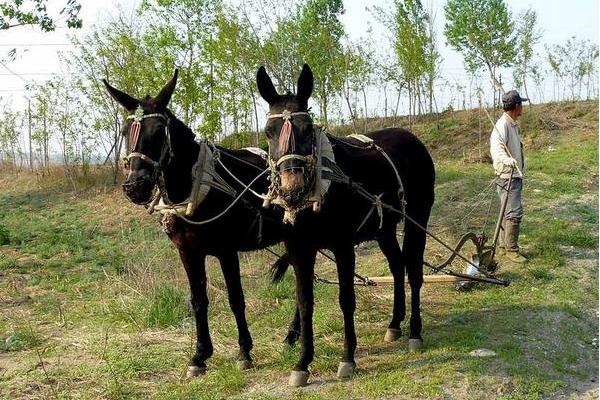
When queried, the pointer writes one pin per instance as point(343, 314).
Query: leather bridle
point(134, 132)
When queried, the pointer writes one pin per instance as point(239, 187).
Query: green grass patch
point(20, 339)
point(167, 307)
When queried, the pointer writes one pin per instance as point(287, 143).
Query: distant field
point(93, 298)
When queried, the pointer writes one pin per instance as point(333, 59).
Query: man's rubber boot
point(512, 242)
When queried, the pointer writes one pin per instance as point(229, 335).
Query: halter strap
point(285, 114)
point(144, 157)
point(144, 116)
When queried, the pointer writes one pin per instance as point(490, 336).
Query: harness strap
point(309, 160)
point(155, 164)
point(285, 114)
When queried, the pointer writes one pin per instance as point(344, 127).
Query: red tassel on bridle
point(286, 138)
point(134, 134)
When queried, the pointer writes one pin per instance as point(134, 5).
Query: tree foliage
point(574, 64)
point(35, 12)
point(527, 36)
point(413, 40)
point(483, 31)
point(218, 46)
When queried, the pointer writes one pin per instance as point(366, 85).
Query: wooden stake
point(426, 278)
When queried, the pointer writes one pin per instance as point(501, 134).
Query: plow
point(481, 266)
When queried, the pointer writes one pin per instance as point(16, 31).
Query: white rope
point(238, 198)
point(260, 196)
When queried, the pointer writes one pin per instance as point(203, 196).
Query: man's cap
point(512, 98)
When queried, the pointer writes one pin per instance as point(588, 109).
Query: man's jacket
point(505, 142)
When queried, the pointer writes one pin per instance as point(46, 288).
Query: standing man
point(507, 155)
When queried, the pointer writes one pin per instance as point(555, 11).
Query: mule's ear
point(265, 86)
point(164, 96)
point(305, 86)
point(128, 102)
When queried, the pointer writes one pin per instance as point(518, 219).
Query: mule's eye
point(269, 132)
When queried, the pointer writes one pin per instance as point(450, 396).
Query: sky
point(38, 52)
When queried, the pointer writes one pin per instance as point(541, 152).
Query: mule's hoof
point(298, 378)
point(194, 371)
point(415, 344)
point(346, 370)
point(245, 364)
point(392, 334)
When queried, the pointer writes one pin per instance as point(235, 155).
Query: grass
point(94, 300)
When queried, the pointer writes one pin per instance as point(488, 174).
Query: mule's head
point(148, 141)
point(290, 135)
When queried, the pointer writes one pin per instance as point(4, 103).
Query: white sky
point(559, 20)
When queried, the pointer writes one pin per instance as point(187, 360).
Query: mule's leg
point(388, 243)
point(194, 264)
point(413, 248)
point(230, 264)
point(304, 263)
point(294, 330)
point(345, 260)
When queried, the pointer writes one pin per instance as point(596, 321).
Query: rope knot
point(378, 205)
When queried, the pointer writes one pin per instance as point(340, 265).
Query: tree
point(9, 135)
point(527, 36)
point(235, 52)
point(571, 64)
point(320, 33)
point(413, 40)
point(483, 31)
point(34, 12)
point(113, 51)
point(43, 115)
point(359, 73)
point(180, 32)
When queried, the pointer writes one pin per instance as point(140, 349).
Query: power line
point(34, 44)
point(41, 73)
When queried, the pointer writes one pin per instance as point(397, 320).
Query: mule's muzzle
point(139, 190)
point(293, 186)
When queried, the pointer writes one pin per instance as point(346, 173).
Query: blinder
point(287, 143)
point(315, 186)
point(134, 132)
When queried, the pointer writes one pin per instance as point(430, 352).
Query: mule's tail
point(279, 268)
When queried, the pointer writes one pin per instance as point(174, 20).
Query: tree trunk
point(29, 134)
point(117, 148)
point(45, 144)
point(409, 105)
point(365, 114)
point(397, 105)
point(526, 92)
point(385, 102)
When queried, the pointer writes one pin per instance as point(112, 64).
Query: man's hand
point(510, 162)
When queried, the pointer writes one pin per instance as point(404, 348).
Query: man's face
point(519, 110)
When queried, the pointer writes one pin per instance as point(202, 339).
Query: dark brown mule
point(291, 148)
point(247, 226)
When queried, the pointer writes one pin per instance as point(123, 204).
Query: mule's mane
point(183, 131)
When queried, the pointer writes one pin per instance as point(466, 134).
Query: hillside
point(465, 133)
point(94, 299)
